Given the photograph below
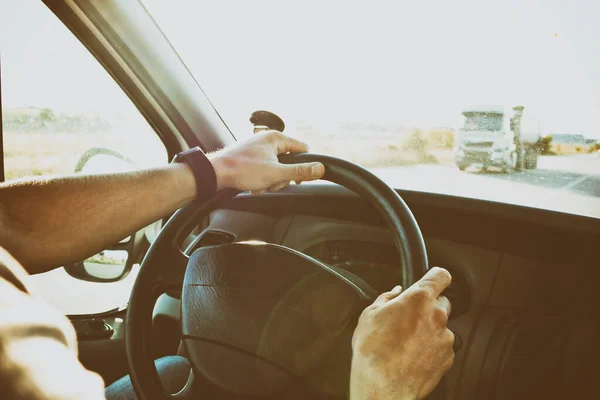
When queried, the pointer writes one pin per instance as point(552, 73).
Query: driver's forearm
point(46, 223)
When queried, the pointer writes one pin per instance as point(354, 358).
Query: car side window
point(59, 106)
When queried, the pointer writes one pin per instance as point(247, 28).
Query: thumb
point(302, 172)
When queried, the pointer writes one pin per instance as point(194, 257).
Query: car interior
point(302, 263)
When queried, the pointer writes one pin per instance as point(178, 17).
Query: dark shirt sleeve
point(38, 348)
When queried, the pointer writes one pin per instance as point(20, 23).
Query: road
point(562, 183)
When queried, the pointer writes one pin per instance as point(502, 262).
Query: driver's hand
point(401, 346)
point(252, 164)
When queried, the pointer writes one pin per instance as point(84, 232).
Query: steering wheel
point(262, 320)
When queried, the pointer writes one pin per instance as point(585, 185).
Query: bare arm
point(45, 223)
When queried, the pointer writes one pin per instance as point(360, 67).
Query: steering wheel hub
point(274, 313)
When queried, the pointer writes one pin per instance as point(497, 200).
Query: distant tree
point(45, 118)
point(545, 145)
point(416, 141)
point(21, 120)
point(417, 144)
point(73, 123)
point(46, 115)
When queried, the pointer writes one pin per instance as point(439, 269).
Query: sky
point(412, 63)
point(44, 65)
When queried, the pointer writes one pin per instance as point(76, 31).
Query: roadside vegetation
point(102, 258)
point(40, 141)
point(570, 149)
point(380, 146)
point(549, 148)
point(545, 146)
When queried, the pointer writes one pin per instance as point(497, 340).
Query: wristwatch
point(204, 172)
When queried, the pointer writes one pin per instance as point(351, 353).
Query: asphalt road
point(563, 183)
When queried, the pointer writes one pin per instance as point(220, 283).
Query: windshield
point(483, 122)
point(384, 84)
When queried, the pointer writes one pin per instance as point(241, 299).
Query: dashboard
point(524, 304)
point(377, 264)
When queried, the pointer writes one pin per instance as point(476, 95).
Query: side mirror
point(114, 263)
point(110, 265)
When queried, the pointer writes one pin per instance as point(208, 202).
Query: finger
point(301, 172)
point(444, 304)
point(435, 281)
point(286, 144)
point(387, 296)
point(279, 186)
point(451, 350)
point(456, 343)
point(450, 338)
point(257, 192)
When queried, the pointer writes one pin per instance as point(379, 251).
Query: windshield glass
point(483, 122)
point(384, 84)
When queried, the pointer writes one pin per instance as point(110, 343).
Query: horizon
point(340, 123)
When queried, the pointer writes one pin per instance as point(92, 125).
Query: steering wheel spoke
point(172, 275)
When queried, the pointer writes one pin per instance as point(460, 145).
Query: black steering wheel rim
point(164, 266)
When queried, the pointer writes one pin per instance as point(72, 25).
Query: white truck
point(490, 138)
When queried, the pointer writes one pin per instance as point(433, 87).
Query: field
point(41, 153)
point(34, 154)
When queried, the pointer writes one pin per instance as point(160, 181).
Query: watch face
point(181, 155)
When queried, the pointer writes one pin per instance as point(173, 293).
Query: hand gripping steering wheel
point(262, 320)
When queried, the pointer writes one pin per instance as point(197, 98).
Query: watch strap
point(204, 172)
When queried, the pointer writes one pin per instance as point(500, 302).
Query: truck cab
point(490, 138)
